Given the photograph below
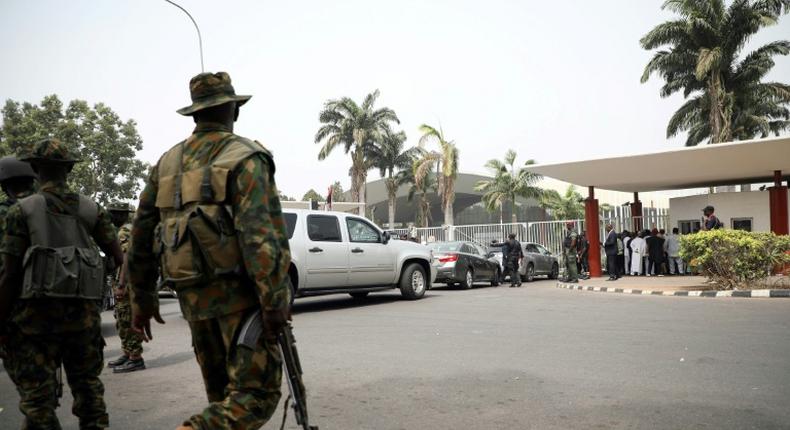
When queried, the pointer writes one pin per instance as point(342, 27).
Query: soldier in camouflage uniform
point(210, 212)
point(131, 341)
point(569, 250)
point(55, 320)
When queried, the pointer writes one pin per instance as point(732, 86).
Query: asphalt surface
point(495, 358)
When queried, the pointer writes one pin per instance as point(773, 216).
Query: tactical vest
point(62, 260)
point(197, 240)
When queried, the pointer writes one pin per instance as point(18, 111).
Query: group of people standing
point(652, 253)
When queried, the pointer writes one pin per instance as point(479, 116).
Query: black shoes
point(130, 366)
point(120, 361)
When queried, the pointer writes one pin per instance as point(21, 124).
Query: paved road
point(497, 358)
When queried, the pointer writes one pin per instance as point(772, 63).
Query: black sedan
point(464, 263)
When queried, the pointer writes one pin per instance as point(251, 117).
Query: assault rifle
point(251, 331)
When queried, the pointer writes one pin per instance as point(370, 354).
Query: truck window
point(360, 231)
point(290, 224)
point(323, 228)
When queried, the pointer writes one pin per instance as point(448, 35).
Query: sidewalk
point(652, 283)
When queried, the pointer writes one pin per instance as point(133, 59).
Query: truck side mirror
point(385, 237)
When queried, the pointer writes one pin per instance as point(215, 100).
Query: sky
point(555, 81)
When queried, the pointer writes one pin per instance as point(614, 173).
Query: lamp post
point(200, 38)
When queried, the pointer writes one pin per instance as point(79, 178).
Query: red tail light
point(448, 258)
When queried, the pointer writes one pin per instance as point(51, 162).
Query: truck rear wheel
point(413, 282)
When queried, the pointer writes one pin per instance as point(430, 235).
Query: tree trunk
point(448, 213)
point(363, 190)
point(391, 210)
point(513, 214)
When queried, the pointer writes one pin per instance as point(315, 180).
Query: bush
point(734, 258)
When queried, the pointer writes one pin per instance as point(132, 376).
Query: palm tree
point(421, 188)
point(729, 101)
point(391, 158)
point(446, 160)
point(563, 207)
point(507, 184)
point(357, 128)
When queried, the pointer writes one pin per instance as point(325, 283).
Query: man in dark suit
point(655, 254)
point(610, 247)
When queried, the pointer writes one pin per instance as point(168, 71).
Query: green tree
point(338, 194)
point(508, 184)
point(421, 190)
point(393, 160)
point(563, 206)
point(356, 128)
point(446, 160)
point(285, 198)
point(703, 59)
point(106, 145)
point(313, 195)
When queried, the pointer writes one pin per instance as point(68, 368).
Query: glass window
point(446, 247)
point(744, 224)
point(532, 249)
point(480, 250)
point(689, 226)
point(470, 249)
point(323, 228)
point(361, 231)
point(543, 250)
point(290, 224)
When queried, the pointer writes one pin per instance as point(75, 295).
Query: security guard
point(18, 181)
point(211, 213)
point(569, 249)
point(131, 341)
point(512, 253)
point(54, 319)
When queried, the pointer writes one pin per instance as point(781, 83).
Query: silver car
point(538, 261)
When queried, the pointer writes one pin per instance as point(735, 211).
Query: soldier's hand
point(274, 321)
point(141, 324)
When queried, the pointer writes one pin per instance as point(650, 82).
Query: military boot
point(130, 366)
point(120, 361)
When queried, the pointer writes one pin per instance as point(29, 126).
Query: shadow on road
point(170, 359)
point(340, 302)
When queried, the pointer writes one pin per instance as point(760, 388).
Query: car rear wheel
point(413, 282)
point(555, 271)
point(497, 278)
point(359, 295)
point(469, 279)
point(529, 276)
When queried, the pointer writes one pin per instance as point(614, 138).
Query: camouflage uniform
point(131, 341)
point(571, 270)
point(243, 385)
point(47, 332)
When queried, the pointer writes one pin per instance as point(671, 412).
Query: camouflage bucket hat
point(117, 206)
point(50, 150)
point(211, 89)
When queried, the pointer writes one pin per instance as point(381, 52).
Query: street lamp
point(200, 38)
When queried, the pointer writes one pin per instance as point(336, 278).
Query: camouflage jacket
point(257, 216)
point(48, 315)
point(125, 236)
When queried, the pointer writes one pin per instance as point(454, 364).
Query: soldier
point(569, 249)
point(210, 211)
point(131, 341)
point(512, 254)
point(55, 319)
point(18, 181)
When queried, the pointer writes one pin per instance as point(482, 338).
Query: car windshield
point(446, 246)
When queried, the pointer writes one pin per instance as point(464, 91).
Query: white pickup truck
point(337, 252)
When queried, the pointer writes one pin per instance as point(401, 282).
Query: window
point(446, 247)
point(290, 224)
point(480, 250)
point(323, 228)
point(744, 224)
point(360, 231)
point(469, 249)
point(543, 250)
point(689, 226)
point(531, 248)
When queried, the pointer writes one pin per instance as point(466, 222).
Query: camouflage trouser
point(131, 342)
point(32, 363)
point(571, 271)
point(243, 385)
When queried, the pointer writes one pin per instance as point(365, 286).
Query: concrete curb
point(728, 293)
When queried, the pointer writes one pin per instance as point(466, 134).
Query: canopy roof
point(745, 162)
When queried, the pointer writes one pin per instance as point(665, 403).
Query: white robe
point(639, 246)
point(626, 254)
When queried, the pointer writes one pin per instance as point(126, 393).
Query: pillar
point(777, 198)
point(593, 228)
point(636, 213)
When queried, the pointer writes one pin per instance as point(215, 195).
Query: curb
point(698, 293)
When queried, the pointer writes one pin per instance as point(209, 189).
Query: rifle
point(58, 385)
point(250, 332)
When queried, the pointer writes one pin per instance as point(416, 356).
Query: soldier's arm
point(263, 236)
point(13, 248)
point(141, 261)
point(106, 237)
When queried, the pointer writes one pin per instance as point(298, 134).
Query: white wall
point(752, 204)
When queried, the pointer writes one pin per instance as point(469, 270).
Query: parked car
point(538, 261)
point(465, 263)
point(337, 252)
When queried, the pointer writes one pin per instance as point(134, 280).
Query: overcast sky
point(556, 81)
